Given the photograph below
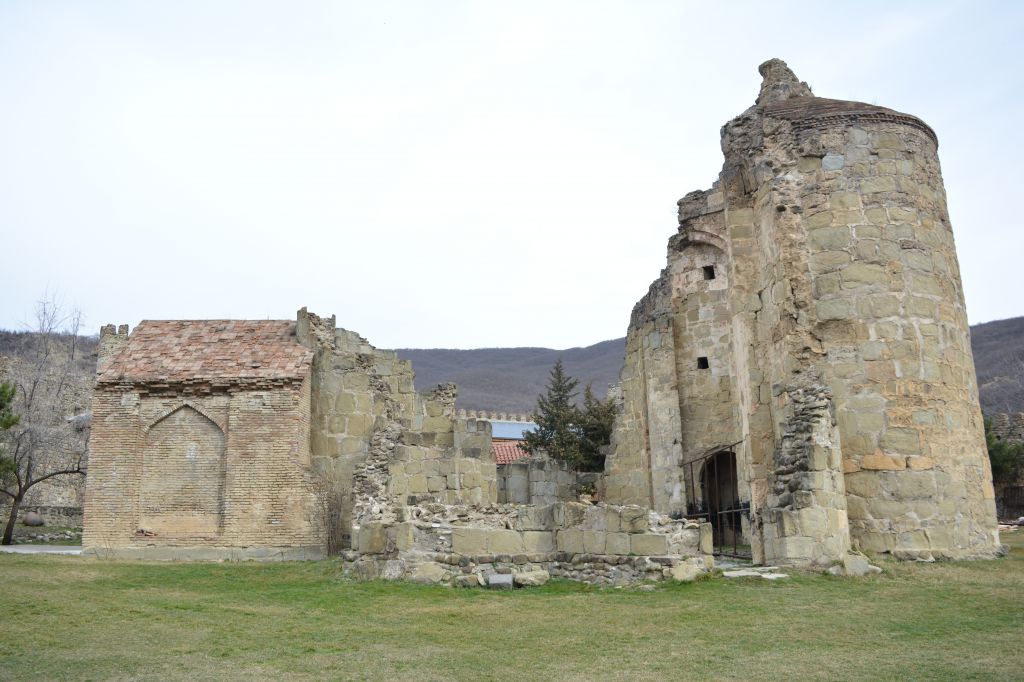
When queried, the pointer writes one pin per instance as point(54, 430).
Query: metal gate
point(1011, 503)
point(712, 494)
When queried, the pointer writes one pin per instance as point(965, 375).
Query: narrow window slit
point(702, 363)
point(709, 272)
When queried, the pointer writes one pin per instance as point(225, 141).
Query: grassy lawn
point(75, 618)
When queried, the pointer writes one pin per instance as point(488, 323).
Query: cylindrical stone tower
point(888, 310)
point(811, 325)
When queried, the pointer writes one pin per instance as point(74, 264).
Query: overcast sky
point(445, 174)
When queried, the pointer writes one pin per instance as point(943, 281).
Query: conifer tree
point(8, 419)
point(595, 432)
point(557, 419)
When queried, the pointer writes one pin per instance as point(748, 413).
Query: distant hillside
point(509, 379)
point(999, 360)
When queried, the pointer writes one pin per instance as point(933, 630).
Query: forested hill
point(999, 360)
point(509, 379)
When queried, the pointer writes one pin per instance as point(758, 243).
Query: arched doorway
point(715, 497)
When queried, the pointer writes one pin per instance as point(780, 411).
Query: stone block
point(538, 517)
point(470, 541)
point(634, 519)
point(506, 542)
point(429, 573)
point(538, 541)
point(834, 309)
point(830, 238)
point(796, 548)
point(707, 538)
point(813, 522)
point(880, 462)
point(570, 541)
point(686, 571)
point(617, 543)
point(648, 544)
point(467, 580)
point(878, 184)
point(833, 162)
point(400, 536)
point(863, 274)
point(905, 441)
point(594, 541)
point(530, 578)
point(372, 537)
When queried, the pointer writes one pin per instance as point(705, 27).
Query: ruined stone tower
point(802, 368)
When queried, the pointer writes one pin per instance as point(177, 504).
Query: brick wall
point(228, 471)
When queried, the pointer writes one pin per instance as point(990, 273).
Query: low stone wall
point(598, 544)
point(70, 517)
point(541, 480)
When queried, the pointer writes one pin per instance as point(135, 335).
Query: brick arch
point(177, 406)
point(181, 492)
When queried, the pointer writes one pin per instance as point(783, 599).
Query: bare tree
point(51, 397)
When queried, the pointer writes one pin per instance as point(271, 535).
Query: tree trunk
point(15, 508)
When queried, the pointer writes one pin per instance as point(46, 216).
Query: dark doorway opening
point(712, 484)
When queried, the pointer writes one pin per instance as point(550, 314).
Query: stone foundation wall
point(600, 544)
point(52, 515)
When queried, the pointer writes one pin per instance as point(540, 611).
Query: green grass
point(75, 618)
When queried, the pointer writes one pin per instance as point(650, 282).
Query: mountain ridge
point(510, 379)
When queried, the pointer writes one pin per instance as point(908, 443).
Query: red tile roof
point(506, 451)
point(215, 351)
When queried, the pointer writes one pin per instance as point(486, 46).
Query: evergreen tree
point(1007, 459)
point(7, 420)
point(597, 419)
point(565, 431)
point(558, 420)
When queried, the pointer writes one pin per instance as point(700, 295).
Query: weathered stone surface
point(429, 573)
point(470, 580)
point(648, 544)
point(32, 519)
point(531, 578)
point(837, 359)
point(686, 572)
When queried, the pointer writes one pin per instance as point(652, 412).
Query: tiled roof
point(508, 451)
point(215, 351)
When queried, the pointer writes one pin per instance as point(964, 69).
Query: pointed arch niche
point(182, 488)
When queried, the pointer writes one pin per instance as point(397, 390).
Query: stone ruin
point(277, 439)
point(798, 386)
point(801, 372)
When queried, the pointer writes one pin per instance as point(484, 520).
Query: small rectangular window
point(709, 272)
point(702, 363)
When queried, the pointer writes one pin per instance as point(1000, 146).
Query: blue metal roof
point(513, 430)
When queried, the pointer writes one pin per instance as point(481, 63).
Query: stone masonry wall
point(599, 544)
point(835, 272)
point(1009, 427)
point(541, 480)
